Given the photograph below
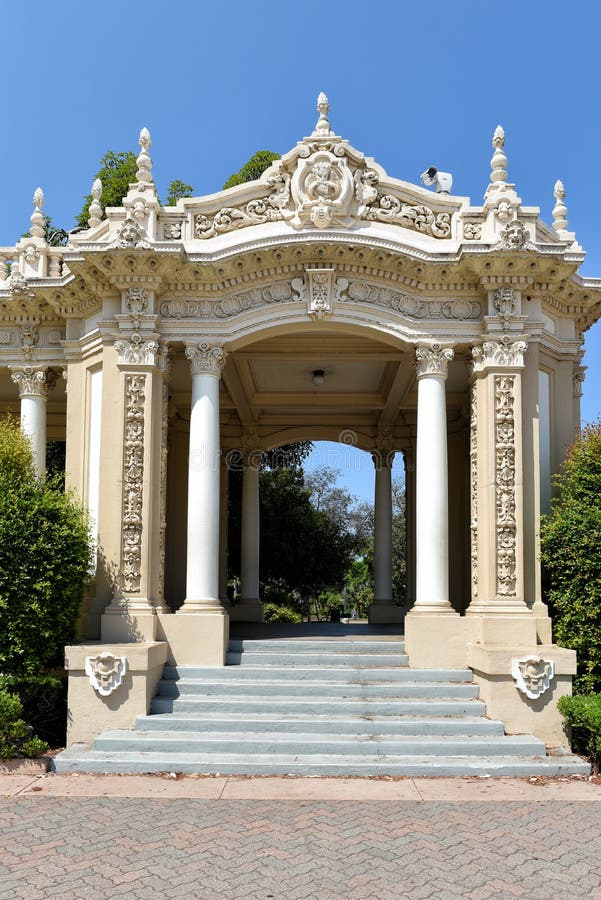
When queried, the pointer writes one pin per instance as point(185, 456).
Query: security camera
point(442, 181)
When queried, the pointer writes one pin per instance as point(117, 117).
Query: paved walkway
point(328, 839)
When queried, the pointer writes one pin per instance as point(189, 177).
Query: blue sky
point(412, 84)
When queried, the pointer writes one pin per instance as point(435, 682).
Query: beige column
point(249, 608)
point(383, 610)
point(131, 615)
point(498, 584)
point(34, 382)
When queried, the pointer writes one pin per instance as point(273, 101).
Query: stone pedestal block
point(117, 701)
point(198, 638)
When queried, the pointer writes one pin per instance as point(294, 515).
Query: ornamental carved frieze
point(206, 358)
point(34, 382)
point(131, 234)
point(505, 485)
point(472, 231)
point(272, 208)
point(106, 672)
point(533, 675)
point(474, 488)
point(505, 303)
point(505, 353)
point(133, 481)
point(413, 307)
point(232, 305)
point(514, 236)
point(390, 209)
point(137, 300)
point(172, 231)
point(433, 360)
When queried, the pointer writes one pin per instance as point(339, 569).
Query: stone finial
point(560, 210)
point(323, 108)
point(144, 162)
point(38, 221)
point(498, 163)
point(95, 207)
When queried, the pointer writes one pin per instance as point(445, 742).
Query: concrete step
point(323, 744)
point(80, 758)
point(240, 723)
point(309, 659)
point(350, 674)
point(318, 707)
point(287, 645)
point(227, 689)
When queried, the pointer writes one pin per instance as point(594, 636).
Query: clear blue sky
point(412, 84)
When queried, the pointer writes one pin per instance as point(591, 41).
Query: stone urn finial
point(323, 108)
point(144, 162)
point(498, 163)
point(38, 221)
point(560, 210)
point(95, 207)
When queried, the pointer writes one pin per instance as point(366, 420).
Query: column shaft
point(383, 535)
point(249, 563)
point(431, 488)
point(33, 424)
point(202, 578)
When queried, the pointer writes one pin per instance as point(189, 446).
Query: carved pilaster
point(206, 358)
point(433, 360)
point(474, 489)
point(138, 352)
point(496, 493)
point(133, 481)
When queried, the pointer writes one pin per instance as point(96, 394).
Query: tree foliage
point(45, 555)
point(117, 171)
point(252, 169)
point(177, 190)
point(570, 542)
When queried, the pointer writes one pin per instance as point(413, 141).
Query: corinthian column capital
point(34, 381)
point(433, 360)
point(206, 358)
point(501, 354)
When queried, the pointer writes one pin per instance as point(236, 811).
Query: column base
point(196, 637)
point(247, 611)
point(124, 623)
point(436, 640)
point(492, 667)
point(385, 612)
point(496, 627)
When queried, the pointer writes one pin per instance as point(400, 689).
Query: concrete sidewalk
point(448, 790)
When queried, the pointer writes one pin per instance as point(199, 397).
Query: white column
point(202, 575)
point(383, 528)
point(431, 500)
point(34, 384)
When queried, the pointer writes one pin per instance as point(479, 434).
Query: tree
point(177, 190)
point(45, 555)
point(570, 542)
point(252, 169)
point(117, 171)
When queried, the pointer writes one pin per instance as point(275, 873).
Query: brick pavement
point(105, 847)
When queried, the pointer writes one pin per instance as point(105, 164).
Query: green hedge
point(583, 714)
point(273, 613)
point(16, 738)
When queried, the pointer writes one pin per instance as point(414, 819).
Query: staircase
point(318, 707)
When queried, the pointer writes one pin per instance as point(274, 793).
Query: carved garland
point(474, 488)
point(505, 481)
point(133, 474)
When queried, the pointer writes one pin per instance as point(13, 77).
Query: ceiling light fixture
point(318, 377)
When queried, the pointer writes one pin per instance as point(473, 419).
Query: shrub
point(570, 541)
point(583, 714)
point(273, 613)
point(44, 701)
point(45, 555)
point(16, 737)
